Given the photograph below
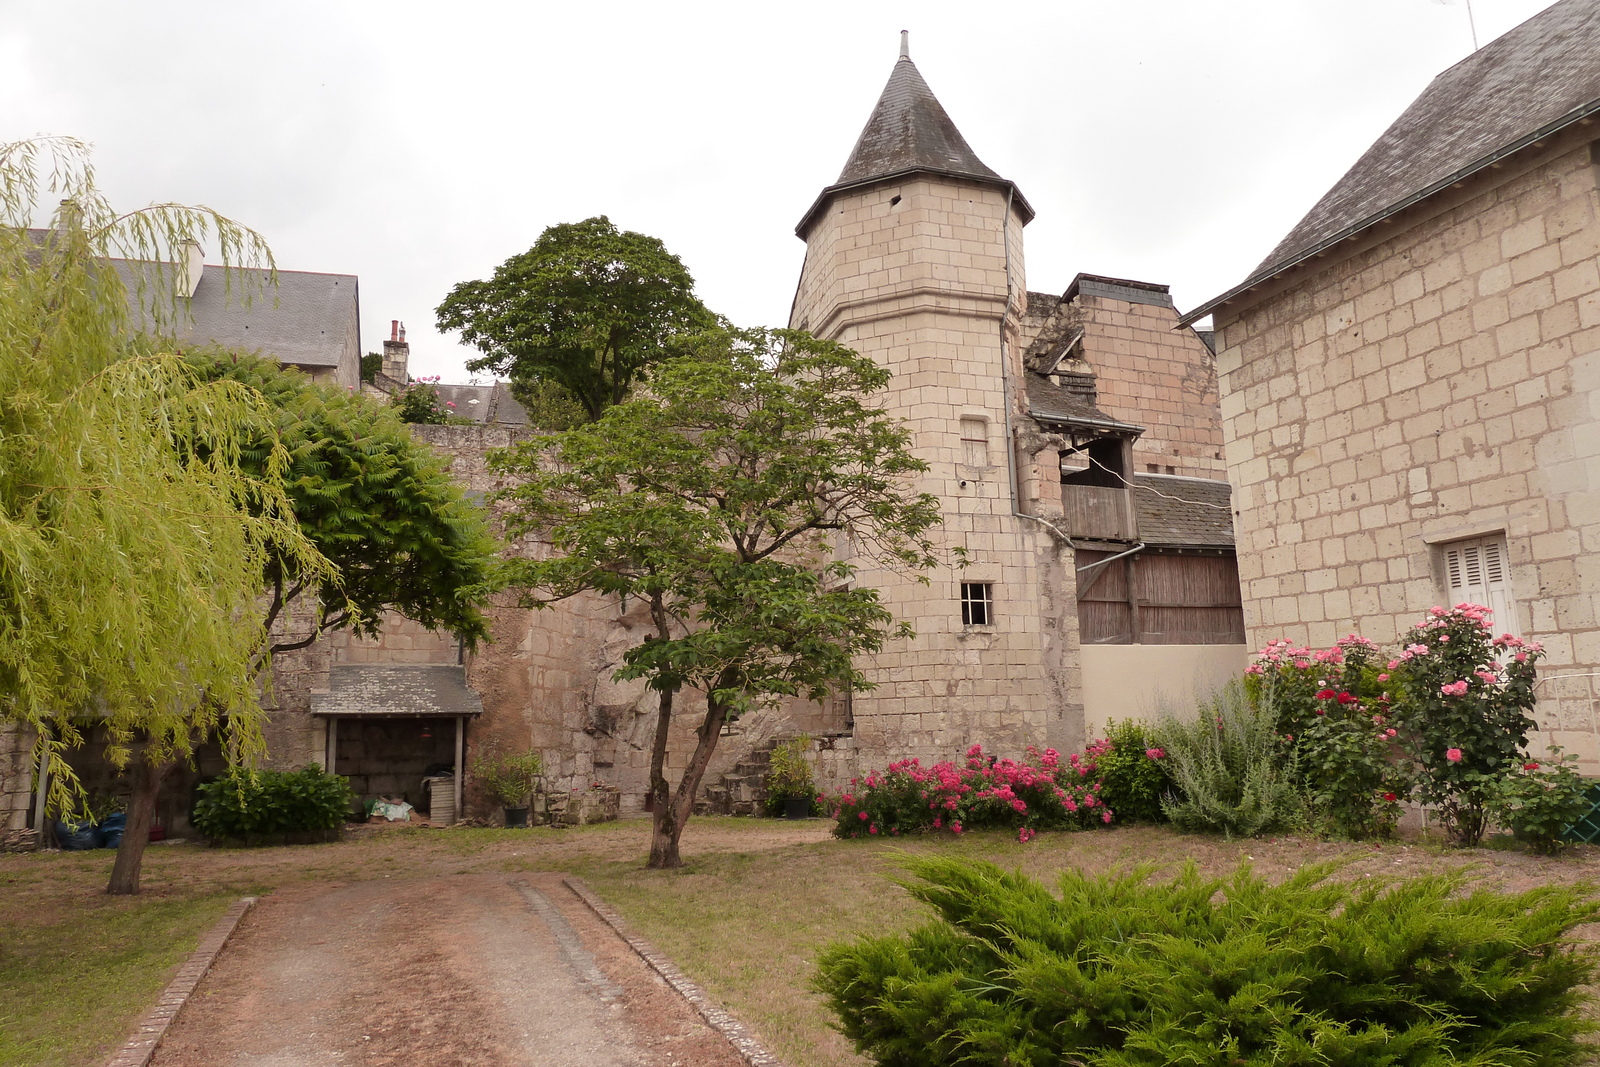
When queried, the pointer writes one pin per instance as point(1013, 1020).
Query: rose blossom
point(1453, 755)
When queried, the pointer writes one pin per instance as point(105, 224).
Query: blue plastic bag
point(111, 828)
point(77, 837)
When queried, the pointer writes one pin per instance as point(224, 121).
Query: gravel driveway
point(490, 970)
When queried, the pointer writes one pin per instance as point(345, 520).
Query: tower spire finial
point(905, 44)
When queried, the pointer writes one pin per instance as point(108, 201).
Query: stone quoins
point(139, 1049)
point(743, 1041)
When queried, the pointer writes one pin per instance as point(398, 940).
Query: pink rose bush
point(1041, 791)
point(1442, 720)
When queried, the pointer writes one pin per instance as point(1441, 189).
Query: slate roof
point(303, 320)
point(392, 691)
point(1174, 510)
point(1523, 86)
point(484, 403)
point(909, 132)
point(1049, 403)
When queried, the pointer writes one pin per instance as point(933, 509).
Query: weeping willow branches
point(132, 542)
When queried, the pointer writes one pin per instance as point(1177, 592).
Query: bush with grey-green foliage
point(1233, 773)
point(250, 804)
point(1120, 971)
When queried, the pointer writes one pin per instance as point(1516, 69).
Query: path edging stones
point(743, 1041)
point(139, 1049)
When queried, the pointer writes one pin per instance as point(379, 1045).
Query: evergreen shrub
point(1121, 972)
point(252, 804)
point(1233, 771)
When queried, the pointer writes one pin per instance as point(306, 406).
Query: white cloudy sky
point(420, 144)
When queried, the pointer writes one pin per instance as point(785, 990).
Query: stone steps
point(743, 790)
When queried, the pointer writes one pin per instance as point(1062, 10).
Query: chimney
point(190, 267)
point(396, 353)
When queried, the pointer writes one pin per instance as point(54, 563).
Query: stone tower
point(914, 258)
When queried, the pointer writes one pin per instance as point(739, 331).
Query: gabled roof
point(302, 320)
point(910, 133)
point(1538, 78)
point(491, 404)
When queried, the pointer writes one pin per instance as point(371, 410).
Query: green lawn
point(745, 918)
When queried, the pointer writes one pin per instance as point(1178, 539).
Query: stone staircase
point(743, 790)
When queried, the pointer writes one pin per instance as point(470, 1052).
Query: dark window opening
point(1105, 465)
point(893, 200)
point(977, 604)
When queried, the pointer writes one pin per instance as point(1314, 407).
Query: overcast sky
point(420, 144)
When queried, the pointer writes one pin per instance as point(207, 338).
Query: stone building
point(1073, 438)
point(1409, 379)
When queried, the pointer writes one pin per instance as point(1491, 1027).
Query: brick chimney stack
point(396, 353)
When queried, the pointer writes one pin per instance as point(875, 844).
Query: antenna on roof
point(905, 44)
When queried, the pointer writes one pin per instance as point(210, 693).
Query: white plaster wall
point(1139, 681)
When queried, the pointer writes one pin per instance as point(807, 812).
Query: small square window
point(974, 442)
point(977, 604)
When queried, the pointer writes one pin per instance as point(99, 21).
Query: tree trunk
point(664, 841)
point(664, 828)
point(141, 813)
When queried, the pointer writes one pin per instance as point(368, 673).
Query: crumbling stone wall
point(1431, 381)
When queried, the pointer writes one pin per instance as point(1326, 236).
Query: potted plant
point(791, 791)
point(509, 779)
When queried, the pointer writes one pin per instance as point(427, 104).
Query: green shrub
point(1234, 774)
point(1131, 769)
point(790, 775)
point(249, 804)
point(1235, 972)
point(1537, 802)
point(508, 779)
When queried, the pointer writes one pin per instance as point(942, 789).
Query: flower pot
point(797, 807)
point(516, 817)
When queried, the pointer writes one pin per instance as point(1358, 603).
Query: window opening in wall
point(1172, 470)
point(1479, 572)
point(977, 604)
point(975, 442)
point(1152, 468)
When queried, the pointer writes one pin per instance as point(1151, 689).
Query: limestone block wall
point(1437, 380)
point(16, 775)
point(914, 275)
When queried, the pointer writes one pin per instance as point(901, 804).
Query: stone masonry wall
point(1439, 380)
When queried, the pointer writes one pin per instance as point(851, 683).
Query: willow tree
point(717, 497)
point(132, 538)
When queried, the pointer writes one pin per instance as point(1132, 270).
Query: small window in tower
point(1172, 470)
point(975, 442)
point(977, 604)
point(1153, 468)
point(893, 200)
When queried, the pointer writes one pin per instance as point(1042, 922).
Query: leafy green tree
point(133, 532)
point(718, 499)
point(588, 308)
point(379, 505)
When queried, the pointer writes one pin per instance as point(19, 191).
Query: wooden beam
point(1135, 623)
point(461, 756)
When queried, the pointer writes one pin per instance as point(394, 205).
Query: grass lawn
point(746, 917)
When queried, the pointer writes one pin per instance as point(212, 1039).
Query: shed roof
point(909, 132)
point(492, 403)
point(429, 691)
point(1525, 85)
point(1176, 510)
point(1050, 404)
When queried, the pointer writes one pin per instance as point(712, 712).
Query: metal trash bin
point(441, 799)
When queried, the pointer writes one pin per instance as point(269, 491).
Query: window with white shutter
point(975, 442)
point(1479, 572)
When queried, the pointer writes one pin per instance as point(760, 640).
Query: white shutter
point(1479, 572)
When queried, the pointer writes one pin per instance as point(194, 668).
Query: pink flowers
point(1026, 834)
point(1156, 753)
point(1454, 689)
point(1453, 755)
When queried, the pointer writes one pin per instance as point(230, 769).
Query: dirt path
point(476, 970)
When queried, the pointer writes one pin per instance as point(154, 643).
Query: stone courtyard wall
point(1436, 380)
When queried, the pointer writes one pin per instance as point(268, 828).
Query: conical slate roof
point(910, 132)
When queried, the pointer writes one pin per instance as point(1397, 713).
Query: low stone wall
point(575, 809)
